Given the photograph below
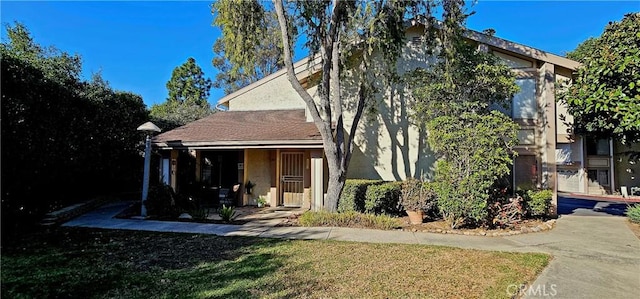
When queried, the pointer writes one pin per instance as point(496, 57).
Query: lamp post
point(148, 128)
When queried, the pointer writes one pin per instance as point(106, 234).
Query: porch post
point(198, 166)
point(174, 170)
point(275, 202)
point(317, 178)
point(547, 93)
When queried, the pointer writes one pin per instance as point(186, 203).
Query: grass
point(85, 263)
point(349, 219)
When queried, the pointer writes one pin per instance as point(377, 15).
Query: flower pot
point(415, 217)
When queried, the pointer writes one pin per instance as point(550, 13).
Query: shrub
point(461, 203)
point(538, 202)
point(633, 212)
point(353, 195)
point(227, 213)
point(507, 213)
point(162, 201)
point(417, 195)
point(348, 219)
point(383, 198)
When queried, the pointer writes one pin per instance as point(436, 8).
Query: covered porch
point(275, 155)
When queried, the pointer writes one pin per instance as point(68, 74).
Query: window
point(524, 104)
point(598, 147)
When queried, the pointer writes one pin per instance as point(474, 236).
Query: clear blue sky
point(136, 45)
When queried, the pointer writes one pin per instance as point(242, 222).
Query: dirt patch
point(440, 226)
point(635, 228)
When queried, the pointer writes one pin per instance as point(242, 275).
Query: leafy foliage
point(633, 213)
point(63, 139)
point(354, 194)
point(605, 95)
point(227, 213)
point(187, 100)
point(453, 99)
point(383, 198)
point(254, 60)
point(538, 202)
point(475, 152)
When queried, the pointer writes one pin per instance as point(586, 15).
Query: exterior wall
point(388, 146)
point(271, 95)
point(257, 169)
point(627, 172)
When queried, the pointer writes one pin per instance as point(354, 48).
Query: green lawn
point(88, 263)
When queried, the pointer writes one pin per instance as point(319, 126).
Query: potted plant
point(248, 187)
point(417, 198)
point(262, 201)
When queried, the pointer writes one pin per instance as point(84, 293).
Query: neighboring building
point(266, 137)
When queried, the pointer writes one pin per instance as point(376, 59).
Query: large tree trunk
point(337, 149)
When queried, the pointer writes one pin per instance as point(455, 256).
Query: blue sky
point(136, 45)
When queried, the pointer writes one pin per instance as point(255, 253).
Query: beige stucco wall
point(257, 169)
point(271, 95)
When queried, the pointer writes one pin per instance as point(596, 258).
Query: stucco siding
point(271, 95)
point(257, 169)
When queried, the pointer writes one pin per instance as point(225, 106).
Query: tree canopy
point(188, 96)
point(236, 68)
point(63, 139)
point(604, 97)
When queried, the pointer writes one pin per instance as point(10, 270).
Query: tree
point(453, 99)
point(267, 54)
point(63, 139)
point(356, 42)
point(188, 97)
point(604, 98)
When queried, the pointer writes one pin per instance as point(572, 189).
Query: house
point(267, 137)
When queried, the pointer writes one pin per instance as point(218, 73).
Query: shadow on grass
point(84, 263)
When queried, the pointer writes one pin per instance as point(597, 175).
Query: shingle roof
point(236, 127)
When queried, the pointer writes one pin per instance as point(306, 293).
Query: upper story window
point(524, 104)
point(598, 147)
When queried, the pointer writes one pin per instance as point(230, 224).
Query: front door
point(292, 179)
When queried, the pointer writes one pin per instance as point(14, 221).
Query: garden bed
point(440, 226)
point(134, 211)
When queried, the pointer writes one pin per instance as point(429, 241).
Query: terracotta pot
point(416, 217)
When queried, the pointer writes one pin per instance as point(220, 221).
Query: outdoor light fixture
point(148, 128)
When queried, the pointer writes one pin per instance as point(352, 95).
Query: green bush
point(464, 203)
point(353, 195)
point(633, 212)
point(537, 203)
point(348, 219)
point(383, 198)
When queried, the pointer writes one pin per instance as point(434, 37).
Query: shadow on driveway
point(586, 207)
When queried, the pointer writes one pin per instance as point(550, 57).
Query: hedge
point(354, 195)
point(383, 199)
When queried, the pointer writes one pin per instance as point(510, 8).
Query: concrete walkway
point(595, 256)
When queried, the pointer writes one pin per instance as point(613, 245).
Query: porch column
point(317, 178)
point(198, 166)
point(174, 170)
point(549, 135)
point(275, 200)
